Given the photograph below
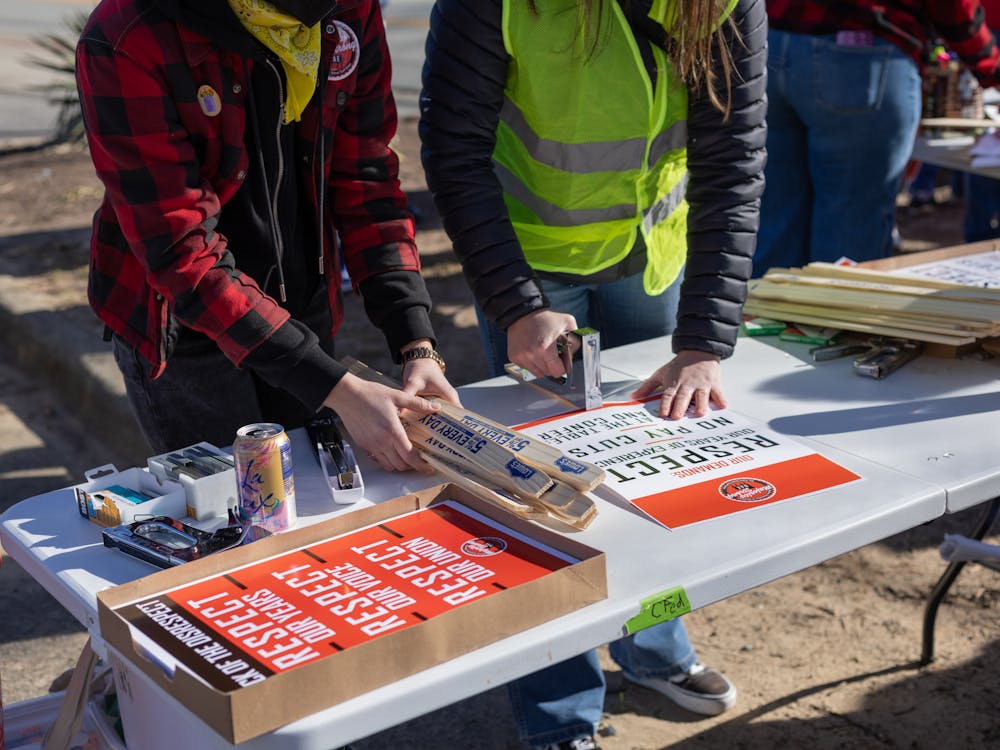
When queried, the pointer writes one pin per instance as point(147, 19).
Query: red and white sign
point(689, 470)
point(237, 629)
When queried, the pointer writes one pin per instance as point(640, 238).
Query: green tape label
point(659, 608)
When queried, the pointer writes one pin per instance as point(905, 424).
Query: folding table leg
point(67, 722)
point(944, 583)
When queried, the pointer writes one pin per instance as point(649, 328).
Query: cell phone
point(164, 542)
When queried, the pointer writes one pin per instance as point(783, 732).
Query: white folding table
point(950, 152)
point(919, 440)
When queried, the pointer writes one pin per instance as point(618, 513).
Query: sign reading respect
point(681, 472)
point(236, 629)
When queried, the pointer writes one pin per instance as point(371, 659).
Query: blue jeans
point(621, 310)
point(565, 700)
point(841, 122)
point(982, 208)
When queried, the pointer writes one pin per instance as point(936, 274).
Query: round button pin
point(209, 101)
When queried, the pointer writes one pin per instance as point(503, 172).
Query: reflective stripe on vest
point(553, 215)
point(663, 208)
point(581, 158)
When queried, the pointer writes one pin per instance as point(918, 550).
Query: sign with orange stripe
point(690, 470)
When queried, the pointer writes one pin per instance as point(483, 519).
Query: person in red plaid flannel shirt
point(844, 102)
point(243, 147)
point(982, 194)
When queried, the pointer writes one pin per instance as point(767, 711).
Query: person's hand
point(424, 377)
point(692, 377)
point(531, 342)
point(370, 412)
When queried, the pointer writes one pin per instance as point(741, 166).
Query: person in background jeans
point(844, 102)
point(982, 194)
point(600, 163)
point(982, 208)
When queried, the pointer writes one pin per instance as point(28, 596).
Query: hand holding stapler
point(580, 386)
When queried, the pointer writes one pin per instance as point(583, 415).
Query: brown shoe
point(701, 689)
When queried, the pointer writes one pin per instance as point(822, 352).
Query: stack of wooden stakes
point(520, 473)
point(950, 318)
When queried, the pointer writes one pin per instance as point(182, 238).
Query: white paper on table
point(978, 269)
point(693, 469)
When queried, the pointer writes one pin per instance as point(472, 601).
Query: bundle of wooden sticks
point(520, 473)
point(951, 317)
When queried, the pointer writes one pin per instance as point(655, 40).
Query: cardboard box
point(277, 688)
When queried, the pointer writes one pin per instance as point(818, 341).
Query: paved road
point(25, 112)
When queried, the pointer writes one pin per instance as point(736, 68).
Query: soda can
point(265, 486)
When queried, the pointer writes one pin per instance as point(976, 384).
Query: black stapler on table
point(336, 459)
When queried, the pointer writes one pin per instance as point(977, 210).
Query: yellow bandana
point(296, 45)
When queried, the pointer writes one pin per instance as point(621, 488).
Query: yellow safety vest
point(588, 154)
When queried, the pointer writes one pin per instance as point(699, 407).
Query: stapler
point(580, 387)
point(336, 459)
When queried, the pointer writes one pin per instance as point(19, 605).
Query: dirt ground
point(823, 659)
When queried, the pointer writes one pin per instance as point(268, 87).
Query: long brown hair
point(696, 28)
point(688, 43)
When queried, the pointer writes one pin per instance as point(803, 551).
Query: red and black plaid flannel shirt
point(960, 23)
point(169, 163)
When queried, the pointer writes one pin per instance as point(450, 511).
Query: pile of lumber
point(517, 472)
point(955, 317)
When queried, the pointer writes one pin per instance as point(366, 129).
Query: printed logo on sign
point(518, 469)
point(747, 490)
point(568, 464)
point(484, 546)
point(345, 54)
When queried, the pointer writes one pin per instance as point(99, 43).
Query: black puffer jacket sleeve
point(463, 83)
point(464, 74)
point(726, 179)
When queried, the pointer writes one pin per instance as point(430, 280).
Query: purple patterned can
point(264, 482)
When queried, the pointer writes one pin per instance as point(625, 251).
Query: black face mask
point(308, 12)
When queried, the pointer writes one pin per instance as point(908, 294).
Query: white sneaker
point(701, 689)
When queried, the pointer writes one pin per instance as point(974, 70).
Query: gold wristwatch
point(423, 352)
